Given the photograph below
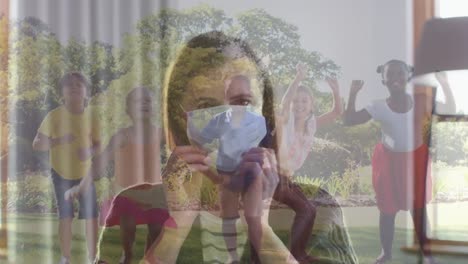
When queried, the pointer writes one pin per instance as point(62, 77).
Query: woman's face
point(206, 87)
point(238, 92)
point(396, 77)
point(209, 90)
point(302, 105)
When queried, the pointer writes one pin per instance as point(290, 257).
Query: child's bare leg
point(65, 235)
point(304, 219)
point(154, 230)
point(267, 246)
point(127, 233)
point(92, 237)
point(229, 201)
point(387, 231)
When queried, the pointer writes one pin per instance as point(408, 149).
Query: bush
point(439, 185)
point(325, 158)
point(310, 186)
point(344, 184)
point(32, 194)
point(349, 183)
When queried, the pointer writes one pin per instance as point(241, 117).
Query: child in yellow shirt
point(70, 134)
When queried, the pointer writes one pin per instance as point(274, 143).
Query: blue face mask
point(230, 130)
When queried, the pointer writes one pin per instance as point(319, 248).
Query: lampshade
point(443, 46)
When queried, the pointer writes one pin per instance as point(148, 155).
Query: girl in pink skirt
point(400, 175)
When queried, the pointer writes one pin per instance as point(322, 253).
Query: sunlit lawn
point(33, 239)
point(29, 242)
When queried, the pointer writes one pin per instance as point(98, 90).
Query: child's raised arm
point(288, 97)
point(352, 117)
point(337, 105)
point(449, 106)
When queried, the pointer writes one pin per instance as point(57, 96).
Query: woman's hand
point(262, 161)
point(196, 158)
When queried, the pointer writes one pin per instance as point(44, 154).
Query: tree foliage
point(4, 124)
point(449, 142)
point(144, 59)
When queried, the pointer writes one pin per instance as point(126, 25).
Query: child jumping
point(70, 134)
point(298, 124)
point(138, 196)
point(401, 148)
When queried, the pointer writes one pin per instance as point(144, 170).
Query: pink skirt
point(401, 180)
point(122, 205)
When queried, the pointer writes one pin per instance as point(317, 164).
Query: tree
point(273, 40)
point(145, 58)
point(32, 45)
point(4, 125)
point(449, 142)
point(96, 61)
point(37, 62)
point(268, 36)
point(102, 66)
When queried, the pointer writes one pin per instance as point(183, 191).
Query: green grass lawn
point(29, 242)
point(366, 243)
point(33, 239)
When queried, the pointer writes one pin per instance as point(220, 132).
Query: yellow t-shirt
point(84, 127)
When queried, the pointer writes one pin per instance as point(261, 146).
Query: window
point(450, 8)
point(449, 147)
